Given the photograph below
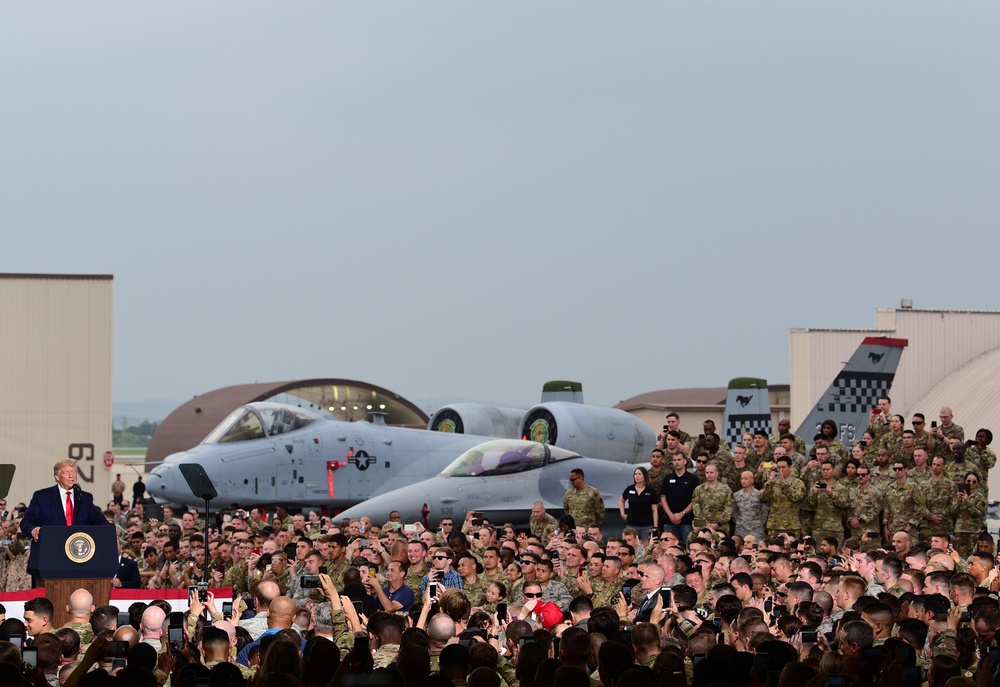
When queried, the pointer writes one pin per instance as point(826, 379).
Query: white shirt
point(62, 497)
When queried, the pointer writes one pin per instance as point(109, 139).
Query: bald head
point(81, 605)
point(281, 613)
point(440, 629)
point(127, 633)
point(152, 622)
point(265, 593)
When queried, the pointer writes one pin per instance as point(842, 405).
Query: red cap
point(549, 614)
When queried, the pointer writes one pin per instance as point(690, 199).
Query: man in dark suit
point(652, 580)
point(128, 572)
point(64, 503)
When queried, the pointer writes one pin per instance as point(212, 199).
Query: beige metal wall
point(55, 362)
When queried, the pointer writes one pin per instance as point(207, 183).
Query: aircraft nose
point(162, 483)
point(409, 501)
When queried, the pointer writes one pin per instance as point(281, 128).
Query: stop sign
point(109, 459)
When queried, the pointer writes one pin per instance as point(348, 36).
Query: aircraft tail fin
point(855, 390)
point(560, 390)
point(748, 408)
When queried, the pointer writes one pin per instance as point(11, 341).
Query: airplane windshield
point(279, 420)
point(259, 420)
point(503, 457)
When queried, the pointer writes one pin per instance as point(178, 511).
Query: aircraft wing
point(855, 390)
point(748, 409)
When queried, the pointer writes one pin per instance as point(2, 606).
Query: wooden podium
point(69, 558)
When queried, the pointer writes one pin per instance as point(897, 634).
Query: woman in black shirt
point(643, 505)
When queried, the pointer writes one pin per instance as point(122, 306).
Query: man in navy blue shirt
point(395, 596)
point(675, 497)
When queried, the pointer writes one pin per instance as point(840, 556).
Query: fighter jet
point(270, 453)
point(500, 479)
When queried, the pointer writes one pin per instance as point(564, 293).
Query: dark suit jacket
point(128, 573)
point(47, 509)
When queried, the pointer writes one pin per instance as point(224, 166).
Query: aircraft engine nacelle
point(591, 431)
point(477, 419)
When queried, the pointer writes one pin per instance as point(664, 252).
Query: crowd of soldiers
point(779, 566)
point(914, 480)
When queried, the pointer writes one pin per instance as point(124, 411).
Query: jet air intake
point(590, 431)
point(477, 419)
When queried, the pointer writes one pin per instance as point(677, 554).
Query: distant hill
point(134, 412)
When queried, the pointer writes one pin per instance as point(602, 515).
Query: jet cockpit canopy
point(504, 456)
point(257, 420)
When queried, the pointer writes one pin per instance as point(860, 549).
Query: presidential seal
point(80, 547)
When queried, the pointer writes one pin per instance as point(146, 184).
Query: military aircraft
point(271, 453)
point(500, 479)
point(855, 390)
point(748, 409)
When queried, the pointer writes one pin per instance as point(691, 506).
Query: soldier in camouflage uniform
point(584, 503)
point(785, 427)
point(573, 567)
point(826, 498)
point(905, 504)
point(608, 586)
point(940, 493)
point(920, 472)
point(473, 585)
point(948, 428)
point(684, 443)
point(736, 468)
point(784, 493)
point(878, 422)
point(838, 452)
point(970, 514)
point(712, 502)
point(865, 505)
point(957, 470)
point(893, 439)
point(542, 524)
point(761, 452)
point(882, 472)
point(981, 455)
point(922, 438)
point(657, 470)
point(712, 448)
point(749, 512)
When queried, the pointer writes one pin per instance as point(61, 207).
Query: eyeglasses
point(439, 558)
point(898, 469)
point(701, 462)
point(526, 562)
point(536, 595)
point(862, 474)
point(972, 481)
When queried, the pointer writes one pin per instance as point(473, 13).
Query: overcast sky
point(465, 199)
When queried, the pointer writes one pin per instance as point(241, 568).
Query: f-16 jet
point(500, 479)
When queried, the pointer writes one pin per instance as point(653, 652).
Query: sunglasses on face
point(536, 595)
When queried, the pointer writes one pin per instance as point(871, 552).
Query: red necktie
point(69, 510)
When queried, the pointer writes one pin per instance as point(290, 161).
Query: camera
point(309, 581)
point(821, 485)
